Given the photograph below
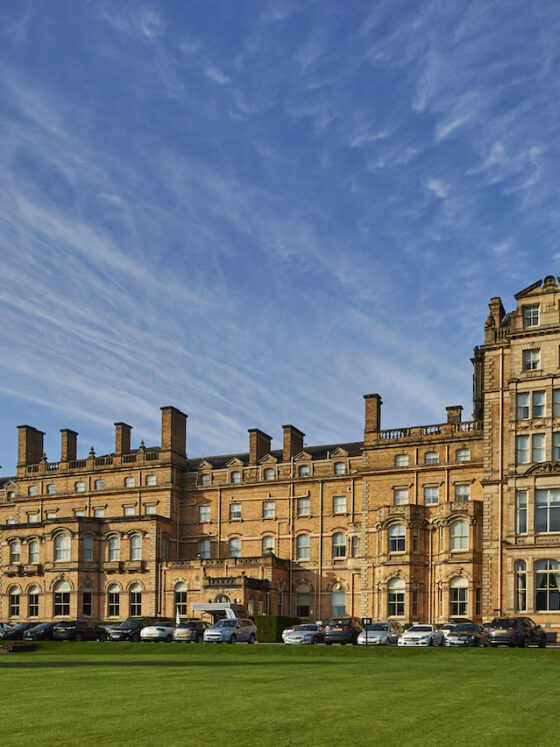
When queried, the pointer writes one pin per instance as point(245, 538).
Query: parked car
point(190, 631)
point(39, 632)
point(380, 633)
point(16, 632)
point(286, 631)
point(5, 626)
point(516, 631)
point(466, 634)
point(343, 630)
point(159, 630)
point(422, 635)
point(447, 628)
point(129, 630)
point(78, 630)
point(307, 633)
point(231, 630)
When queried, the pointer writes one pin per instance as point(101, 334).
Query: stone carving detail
point(544, 468)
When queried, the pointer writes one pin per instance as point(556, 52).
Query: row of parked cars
point(502, 631)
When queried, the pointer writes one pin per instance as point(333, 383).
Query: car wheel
point(525, 643)
point(431, 643)
point(136, 638)
point(251, 638)
point(103, 638)
point(314, 640)
point(328, 643)
point(78, 637)
point(169, 638)
point(233, 639)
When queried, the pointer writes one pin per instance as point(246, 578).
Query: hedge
point(270, 627)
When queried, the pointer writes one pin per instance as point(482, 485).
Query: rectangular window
point(61, 603)
point(462, 492)
point(522, 449)
point(86, 603)
point(14, 603)
point(135, 603)
point(339, 504)
point(400, 496)
point(79, 512)
point(415, 539)
point(129, 510)
point(556, 402)
point(150, 480)
point(556, 446)
point(547, 510)
point(88, 547)
point(477, 601)
point(539, 401)
point(204, 514)
point(234, 511)
point(51, 514)
point(303, 506)
point(538, 448)
point(32, 518)
point(523, 406)
point(269, 510)
point(531, 360)
point(355, 547)
point(99, 513)
point(114, 604)
point(204, 549)
point(530, 316)
point(431, 495)
point(33, 604)
point(129, 482)
point(149, 510)
point(458, 602)
point(521, 501)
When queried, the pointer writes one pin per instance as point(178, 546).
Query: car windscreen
point(465, 628)
point(504, 622)
point(23, 626)
point(420, 629)
point(226, 624)
point(340, 620)
point(377, 626)
point(130, 624)
point(306, 627)
point(42, 626)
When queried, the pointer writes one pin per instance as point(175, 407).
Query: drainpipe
point(319, 584)
point(430, 583)
point(501, 476)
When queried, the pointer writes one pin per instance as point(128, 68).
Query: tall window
point(51, 489)
point(204, 549)
point(339, 545)
point(235, 476)
point(87, 547)
point(547, 510)
point(205, 479)
point(522, 449)
point(459, 535)
point(524, 402)
point(339, 468)
point(339, 504)
point(458, 588)
point(181, 599)
point(61, 597)
point(547, 585)
point(135, 600)
point(79, 486)
point(61, 547)
point(462, 492)
point(531, 360)
point(530, 316)
point(401, 460)
point(400, 496)
point(302, 546)
point(395, 596)
point(13, 601)
point(129, 482)
point(303, 470)
point(431, 457)
point(431, 495)
point(415, 539)
point(136, 547)
point(33, 601)
point(556, 446)
point(302, 600)
point(234, 511)
point(99, 485)
point(268, 474)
point(86, 601)
point(15, 553)
point(520, 585)
point(539, 402)
point(235, 547)
point(164, 548)
point(204, 514)
point(355, 547)
point(269, 509)
point(463, 455)
point(521, 510)
point(538, 454)
point(267, 544)
point(113, 600)
point(34, 552)
point(338, 603)
point(556, 402)
point(114, 548)
point(397, 538)
point(303, 506)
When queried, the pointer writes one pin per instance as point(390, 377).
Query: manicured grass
point(172, 694)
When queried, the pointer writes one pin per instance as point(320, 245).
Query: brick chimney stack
point(174, 430)
point(293, 442)
point(259, 445)
point(122, 438)
point(373, 417)
point(30, 445)
point(68, 449)
point(454, 414)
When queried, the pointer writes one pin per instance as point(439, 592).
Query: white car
point(162, 631)
point(421, 635)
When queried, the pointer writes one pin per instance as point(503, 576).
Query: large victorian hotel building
point(460, 518)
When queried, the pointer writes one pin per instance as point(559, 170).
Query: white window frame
point(530, 316)
point(204, 513)
point(339, 504)
point(400, 496)
point(234, 511)
point(269, 510)
point(531, 359)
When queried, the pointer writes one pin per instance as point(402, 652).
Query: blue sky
point(260, 211)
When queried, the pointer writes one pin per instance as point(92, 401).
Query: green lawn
point(172, 694)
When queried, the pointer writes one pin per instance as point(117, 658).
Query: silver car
point(380, 634)
point(308, 633)
point(231, 631)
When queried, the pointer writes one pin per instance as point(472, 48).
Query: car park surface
point(231, 630)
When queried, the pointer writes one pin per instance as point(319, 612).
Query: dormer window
point(235, 476)
point(531, 316)
point(303, 470)
point(205, 479)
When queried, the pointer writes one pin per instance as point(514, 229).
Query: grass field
point(170, 694)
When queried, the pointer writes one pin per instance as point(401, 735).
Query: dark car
point(129, 630)
point(343, 630)
point(516, 631)
point(190, 631)
point(466, 634)
point(39, 632)
point(78, 630)
point(15, 633)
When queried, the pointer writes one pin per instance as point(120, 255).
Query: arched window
point(520, 585)
point(339, 468)
point(181, 599)
point(339, 545)
point(61, 595)
point(32, 490)
point(303, 470)
point(114, 548)
point(15, 552)
point(235, 476)
point(235, 547)
point(51, 489)
point(33, 601)
point(547, 585)
point(268, 474)
point(431, 457)
point(34, 552)
point(401, 460)
point(113, 600)
point(99, 484)
point(204, 549)
point(338, 601)
point(458, 587)
point(459, 534)
point(463, 455)
point(13, 597)
point(302, 600)
point(79, 486)
point(61, 548)
point(135, 600)
point(395, 597)
point(397, 538)
point(136, 547)
point(268, 544)
point(129, 482)
point(302, 547)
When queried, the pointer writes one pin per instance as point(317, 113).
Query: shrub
point(270, 627)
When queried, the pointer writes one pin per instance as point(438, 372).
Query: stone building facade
point(460, 518)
